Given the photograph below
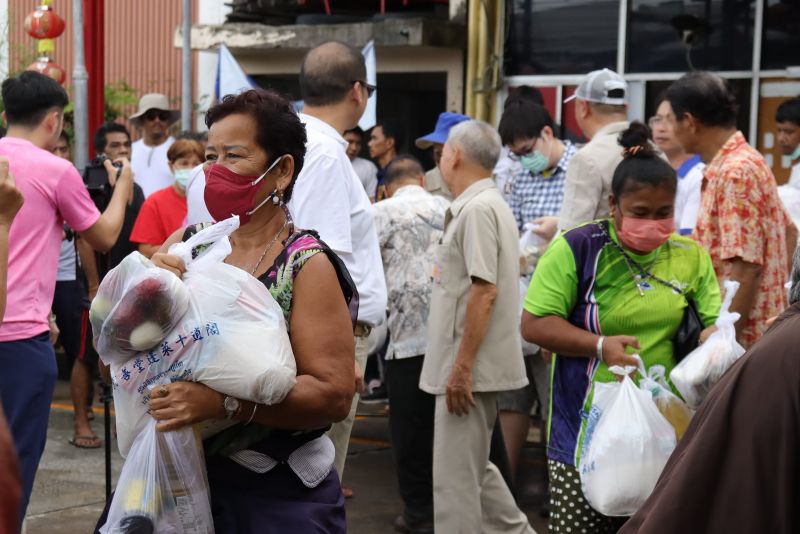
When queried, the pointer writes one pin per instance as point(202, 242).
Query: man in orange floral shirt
point(742, 222)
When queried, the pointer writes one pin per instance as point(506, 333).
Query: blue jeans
point(27, 378)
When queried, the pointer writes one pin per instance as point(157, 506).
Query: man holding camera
point(54, 193)
point(149, 160)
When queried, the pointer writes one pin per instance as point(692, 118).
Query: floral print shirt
point(742, 216)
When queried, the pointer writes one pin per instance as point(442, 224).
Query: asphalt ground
point(69, 492)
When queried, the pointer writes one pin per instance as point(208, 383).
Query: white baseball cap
point(602, 87)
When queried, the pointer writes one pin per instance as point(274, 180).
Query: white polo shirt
point(328, 197)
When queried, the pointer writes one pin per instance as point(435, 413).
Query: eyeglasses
point(370, 88)
point(154, 114)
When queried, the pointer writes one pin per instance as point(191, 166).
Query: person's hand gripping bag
point(232, 338)
point(163, 488)
point(674, 410)
point(627, 443)
point(697, 373)
point(136, 306)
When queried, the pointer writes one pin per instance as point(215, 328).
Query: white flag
point(231, 79)
point(368, 119)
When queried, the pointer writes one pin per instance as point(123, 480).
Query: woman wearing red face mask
point(273, 470)
point(602, 292)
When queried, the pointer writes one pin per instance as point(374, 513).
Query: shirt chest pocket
point(449, 272)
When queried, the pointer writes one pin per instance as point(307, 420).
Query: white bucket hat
point(154, 101)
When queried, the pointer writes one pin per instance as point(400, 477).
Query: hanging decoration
point(44, 25)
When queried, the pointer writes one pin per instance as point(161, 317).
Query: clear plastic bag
point(531, 247)
point(162, 488)
point(232, 338)
point(626, 445)
point(670, 405)
point(136, 306)
point(702, 368)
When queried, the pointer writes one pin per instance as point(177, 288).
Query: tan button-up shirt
point(480, 241)
point(588, 181)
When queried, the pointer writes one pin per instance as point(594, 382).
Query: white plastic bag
point(697, 373)
point(232, 338)
point(531, 247)
point(670, 405)
point(627, 443)
point(136, 306)
point(162, 487)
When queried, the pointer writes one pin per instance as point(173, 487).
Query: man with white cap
point(149, 158)
point(435, 141)
point(601, 112)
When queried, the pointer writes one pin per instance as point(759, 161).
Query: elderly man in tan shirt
point(474, 345)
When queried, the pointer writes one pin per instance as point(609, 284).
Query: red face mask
point(645, 235)
point(228, 193)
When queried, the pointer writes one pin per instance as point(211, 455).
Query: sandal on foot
point(86, 442)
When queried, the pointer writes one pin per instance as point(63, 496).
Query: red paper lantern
point(44, 23)
point(48, 67)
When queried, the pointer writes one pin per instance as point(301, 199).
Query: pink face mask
point(645, 235)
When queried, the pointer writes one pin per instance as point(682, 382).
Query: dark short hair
point(640, 166)
point(194, 136)
point(523, 119)
point(402, 166)
point(525, 93)
point(278, 128)
point(392, 129)
point(328, 72)
point(357, 130)
point(707, 96)
point(101, 135)
point(65, 136)
point(30, 96)
point(789, 111)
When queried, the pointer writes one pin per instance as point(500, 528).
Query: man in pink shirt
point(54, 193)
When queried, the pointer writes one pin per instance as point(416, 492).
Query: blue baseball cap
point(439, 135)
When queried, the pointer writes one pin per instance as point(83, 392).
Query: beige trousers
point(469, 493)
point(340, 432)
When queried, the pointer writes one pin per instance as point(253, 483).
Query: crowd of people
point(632, 230)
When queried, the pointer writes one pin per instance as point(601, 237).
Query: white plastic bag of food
point(627, 443)
point(232, 338)
point(697, 373)
point(670, 405)
point(531, 248)
point(163, 486)
point(136, 306)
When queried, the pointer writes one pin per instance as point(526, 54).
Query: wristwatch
point(232, 406)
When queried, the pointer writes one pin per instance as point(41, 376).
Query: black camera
point(96, 179)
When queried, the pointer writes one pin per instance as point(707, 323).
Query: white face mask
point(182, 177)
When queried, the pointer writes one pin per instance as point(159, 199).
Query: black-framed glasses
point(154, 114)
point(370, 88)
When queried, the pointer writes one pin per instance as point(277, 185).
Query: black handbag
point(687, 337)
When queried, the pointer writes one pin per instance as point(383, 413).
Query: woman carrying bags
point(603, 291)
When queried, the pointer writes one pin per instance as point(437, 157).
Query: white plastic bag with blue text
point(627, 443)
point(232, 338)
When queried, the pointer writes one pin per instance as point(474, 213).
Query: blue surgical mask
point(535, 162)
point(796, 154)
point(182, 177)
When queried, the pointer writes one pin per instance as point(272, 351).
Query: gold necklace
point(269, 246)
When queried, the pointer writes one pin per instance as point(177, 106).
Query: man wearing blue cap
point(436, 140)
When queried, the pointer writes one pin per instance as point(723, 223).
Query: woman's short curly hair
point(278, 128)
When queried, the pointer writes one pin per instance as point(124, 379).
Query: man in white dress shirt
point(328, 196)
point(149, 158)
